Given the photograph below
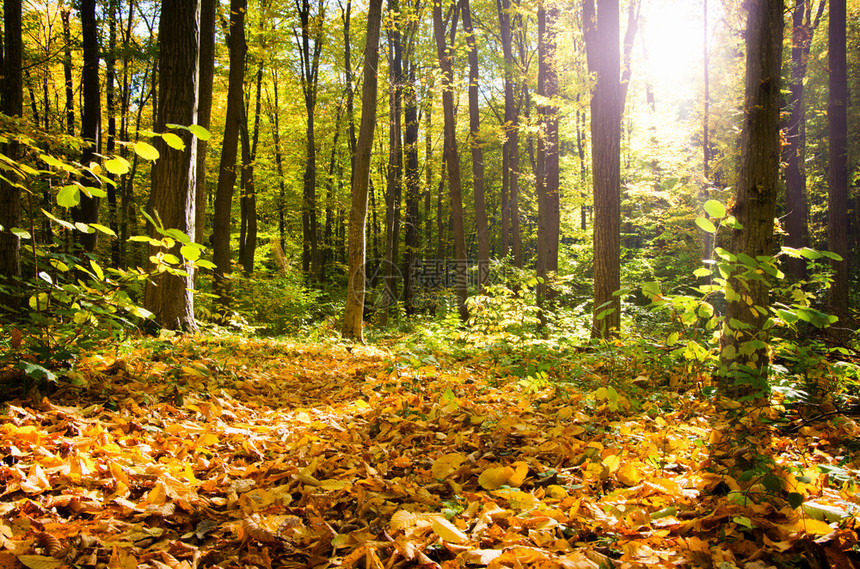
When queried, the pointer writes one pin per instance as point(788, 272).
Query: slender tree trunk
point(353, 315)
point(174, 176)
point(511, 235)
point(65, 15)
point(454, 184)
point(229, 151)
point(548, 158)
point(208, 12)
point(88, 210)
point(110, 103)
point(602, 40)
point(10, 198)
point(248, 245)
point(794, 151)
point(481, 225)
point(755, 208)
point(837, 203)
point(428, 170)
point(275, 113)
point(328, 237)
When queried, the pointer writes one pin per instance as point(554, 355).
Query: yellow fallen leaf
point(628, 475)
point(521, 470)
point(208, 439)
point(446, 464)
point(448, 531)
point(495, 477)
point(39, 561)
point(612, 462)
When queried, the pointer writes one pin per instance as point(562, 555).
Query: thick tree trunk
point(755, 208)
point(481, 225)
point(88, 210)
point(10, 198)
point(353, 315)
point(229, 151)
point(837, 202)
point(174, 174)
point(453, 159)
point(602, 39)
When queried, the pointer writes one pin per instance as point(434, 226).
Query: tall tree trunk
point(174, 176)
point(110, 104)
point(428, 169)
point(88, 210)
point(248, 237)
point(274, 114)
point(208, 11)
point(353, 314)
point(707, 236)
point(65, 15)
point(481, 225)
point(602, 39)
point(310, 58)
point(453, 159)
point(395, 163)
point(755, 208)
point(837, 202)
point(548, 157)
point(794, 151)
point(10, 197)
point(328, 237)
point(413, 186)
point(511, 236)
point(229, 151)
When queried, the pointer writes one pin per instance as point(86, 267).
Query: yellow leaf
point(331, 484)
point(612, 462)
point(447, 464)
point(495, 477)
point(556, 491)
point(521, 470)
point(208, 439)
point(39, 561)
point(448, 531)
point(628, 475)
point(815, 527)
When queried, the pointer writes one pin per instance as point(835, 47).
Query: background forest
point(508, 239)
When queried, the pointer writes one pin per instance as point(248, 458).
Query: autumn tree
point(743, 355)
point(353, 316)
point(837, 120)
point(229, 151)
point(174, 176)
point(602, 42)
point(445, 55)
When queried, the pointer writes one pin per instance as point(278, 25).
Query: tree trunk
point(10, 197)
point(208, 10)
point(110, 103)
point(88, 210)
point(174, 174)
point(837, 202)
point(454, 184)
point(275, 113)
point(229, 150)
point(353, 314)
point(65, 15)
point(794, 151)
point(248, 237)
point(742, 370)
point(413, 187)
point(511, 235)
point(602, 39)
point(548, 158)
point(481, 226)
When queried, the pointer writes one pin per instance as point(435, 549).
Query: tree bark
point(65, 15)
point(548, 158)
point(511, 235)
point(755, 207)
point(453, 159)
point(837, 202)
point(604, 58)
point(481, 225)
point(110, 104)
point(248, 235)
point(10, 198)
point(229, 151)
point(413, 186)
point(208, 10)
point(88, 210)
point(174, 174)
point(354, 310)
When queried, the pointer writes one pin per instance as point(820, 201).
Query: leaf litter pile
point(213, 453)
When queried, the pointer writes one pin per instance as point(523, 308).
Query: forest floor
point(209, 452)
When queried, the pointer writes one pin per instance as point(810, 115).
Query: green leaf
point(706, 225)
point(190, 252)
point(62, 222)
point(172, 259)
point(810, 254)
point(103, 229)
point(702, 272)
point(84, 228)
point(146, 151)
point(794, 499)
point(69, 196)
point(604, 313)
point(715, 209)
point(672, 339)
point(200, 132)
point(743, 521)
point(97, 270)
point(205, 264)
point(20, 233)
point(830, 255)
point(173, 141)
point(117, 166)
